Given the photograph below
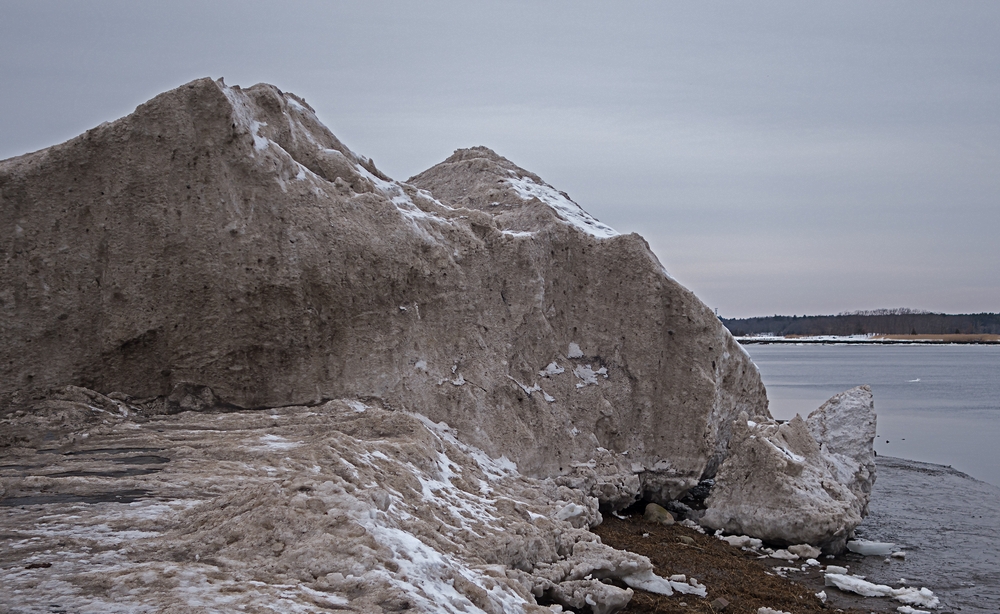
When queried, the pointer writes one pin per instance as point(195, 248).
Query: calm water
point(949, 526)
point(937, 404)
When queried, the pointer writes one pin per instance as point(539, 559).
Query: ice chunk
point(784, 555)
point(693, 587)
point(905, 609)
point(574, 351)
point(770, 611)
point(650, 582)
point(852, 584)
point(742, 541)
point(912, 596)
point(869, 548)
point(837, 569)
point(805, 551)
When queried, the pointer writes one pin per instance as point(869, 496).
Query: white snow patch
point(588, 375)
point(551, 369)
point(493, 468)
point(357, 406)
point(565, 208)
point(574, 351)
point(426, 575)
point(788, 454)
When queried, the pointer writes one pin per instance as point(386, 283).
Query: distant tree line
point(879, 322)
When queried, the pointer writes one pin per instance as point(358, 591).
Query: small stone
point(684, 539)
point(656, 513)
point(719, 604)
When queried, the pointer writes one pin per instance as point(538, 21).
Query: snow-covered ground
point(343, 505)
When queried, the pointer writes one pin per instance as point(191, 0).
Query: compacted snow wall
point(221, 248)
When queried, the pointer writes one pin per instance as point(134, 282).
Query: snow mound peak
point(479, 178)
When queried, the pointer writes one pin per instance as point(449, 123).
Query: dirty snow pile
point(342, 505)
point(822, 467)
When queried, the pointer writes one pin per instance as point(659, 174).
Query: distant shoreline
point(903, 324)
point(953, 339)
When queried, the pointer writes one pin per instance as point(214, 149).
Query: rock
point(684, 539)
point(220, 248)
point(655, 513)
point(719, 604)
point(799, 482)
point(679, 509)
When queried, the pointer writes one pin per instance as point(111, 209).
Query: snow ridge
point(569, 211)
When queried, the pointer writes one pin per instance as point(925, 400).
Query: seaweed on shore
point(740, 578)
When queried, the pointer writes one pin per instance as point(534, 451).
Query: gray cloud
point(780, 157)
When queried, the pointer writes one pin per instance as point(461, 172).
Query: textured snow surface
point(345, 505)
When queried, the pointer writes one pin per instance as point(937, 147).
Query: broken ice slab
point(868, 548)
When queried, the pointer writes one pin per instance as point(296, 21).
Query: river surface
point(937, 405)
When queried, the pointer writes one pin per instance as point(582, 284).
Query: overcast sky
point(779, 157)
